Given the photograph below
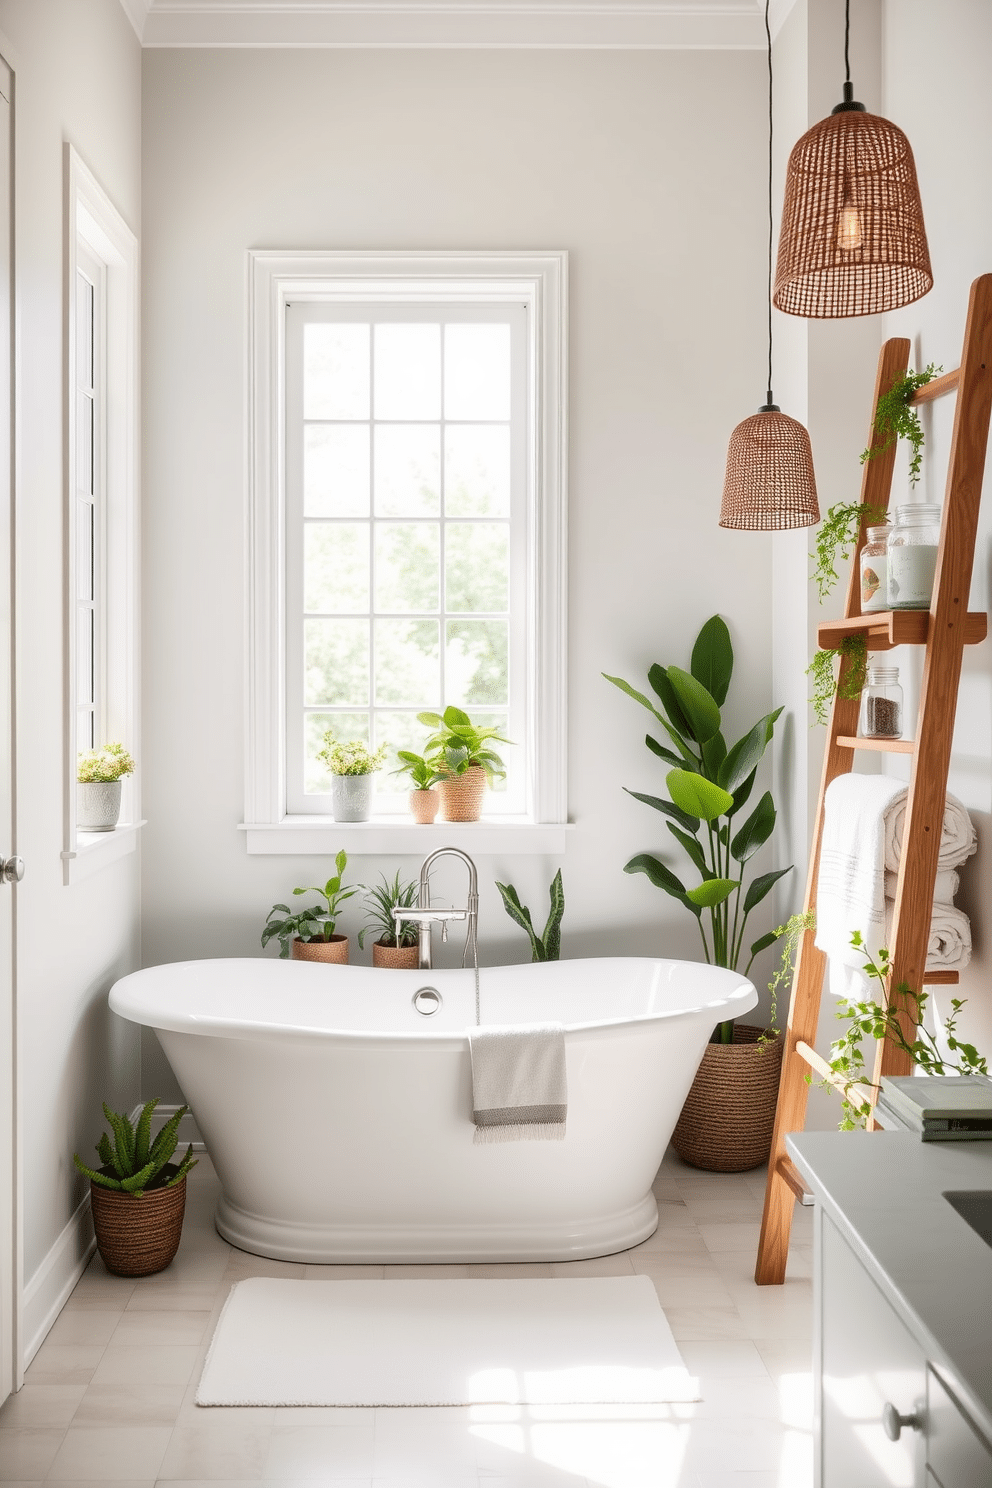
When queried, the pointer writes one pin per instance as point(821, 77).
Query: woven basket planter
point(726, 1122)
point(138, 1236)
point(335, 949)
point(461, 795)
point(400, 958)
point(424, 804)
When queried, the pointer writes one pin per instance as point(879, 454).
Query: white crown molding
point(587, 24)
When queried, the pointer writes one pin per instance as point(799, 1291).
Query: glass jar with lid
point(874, 580)
point(912, 556)
point(881, 704)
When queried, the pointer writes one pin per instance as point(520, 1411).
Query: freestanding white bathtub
point(339, 1119)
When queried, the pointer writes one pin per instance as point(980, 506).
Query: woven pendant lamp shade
point(851, 179)
point(770, 483)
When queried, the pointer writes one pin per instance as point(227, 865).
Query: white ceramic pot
point(98, 805)
point(351, 797)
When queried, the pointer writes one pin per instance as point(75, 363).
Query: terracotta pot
point(138, 1236)
point(424, 804)
point(98, 806)
point(400, 958)
point(461, 795)
point(726, 1122)
point(335, 949)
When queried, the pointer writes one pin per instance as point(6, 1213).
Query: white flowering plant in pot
point(99, 773)
point(352, 765)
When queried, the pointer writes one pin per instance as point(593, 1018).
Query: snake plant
point(133, 1163)
point(546, 947)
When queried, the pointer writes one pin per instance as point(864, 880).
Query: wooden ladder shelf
point(944, 633)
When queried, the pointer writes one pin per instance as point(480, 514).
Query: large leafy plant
point(132, 1163)
point(457, 744)
point(317, 921)
point(546, 947)
point(709, 785)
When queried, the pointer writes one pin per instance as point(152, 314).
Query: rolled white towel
point(958, 839)
point(949, 946)
point(945, 889)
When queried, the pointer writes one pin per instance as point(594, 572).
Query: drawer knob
point(893, 1422)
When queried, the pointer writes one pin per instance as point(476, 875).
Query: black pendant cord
point(847, 41)
point(770, 401)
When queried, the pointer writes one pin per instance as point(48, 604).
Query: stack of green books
point(941, 1108)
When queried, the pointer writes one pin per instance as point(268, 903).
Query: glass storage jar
point(874, 580)
point(881, 704)
point(912, 556)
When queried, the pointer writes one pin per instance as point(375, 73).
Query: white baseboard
point(49, 1288)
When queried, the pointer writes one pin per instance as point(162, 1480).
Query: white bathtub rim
point(483, 1243)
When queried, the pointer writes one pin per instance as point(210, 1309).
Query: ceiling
point(635, 24)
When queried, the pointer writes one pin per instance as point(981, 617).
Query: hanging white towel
point(949, 946)
point(958, 838)
point(519, 1091)
point(851, 885)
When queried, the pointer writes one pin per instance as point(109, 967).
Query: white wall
point(648, 168)
point(936, 71)
point(77, 78)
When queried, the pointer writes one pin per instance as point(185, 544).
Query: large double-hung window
point(407, 526)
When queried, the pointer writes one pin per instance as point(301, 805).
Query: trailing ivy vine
point(895, 419)
point(835, 538)
point(852, 678)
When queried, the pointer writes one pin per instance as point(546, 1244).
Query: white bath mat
point(587, 1340)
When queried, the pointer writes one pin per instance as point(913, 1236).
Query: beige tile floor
point(109, 1397)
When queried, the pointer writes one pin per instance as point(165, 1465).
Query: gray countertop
point(884, 1191)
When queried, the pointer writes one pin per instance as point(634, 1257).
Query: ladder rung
point(846, 1087)
point(940, 978)
point(888, 628)
point(888, 746)
point(937, 388)
point(789, 1174)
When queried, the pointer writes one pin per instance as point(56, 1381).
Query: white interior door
point(10, 1372)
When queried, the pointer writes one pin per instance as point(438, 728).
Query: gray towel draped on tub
point(518, 1083)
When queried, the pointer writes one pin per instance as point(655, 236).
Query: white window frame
point(276, 279)
point(95, 231)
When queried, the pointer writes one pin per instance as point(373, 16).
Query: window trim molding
point(90, 215)
point(274, 278)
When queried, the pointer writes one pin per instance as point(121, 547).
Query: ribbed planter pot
point(98, 805)
point(137, 1236)
point(351, 797)
point(726, 1122)
point(461, 795)
point(335, 949)
point(400, 958)
point(424, 804)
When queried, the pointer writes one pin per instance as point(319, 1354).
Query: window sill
point(95, 851)
point(299, 835)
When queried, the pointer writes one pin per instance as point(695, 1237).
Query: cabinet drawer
point(957, 1455)
point(869, 1359)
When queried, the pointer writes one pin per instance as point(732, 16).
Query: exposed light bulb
point(849, 228)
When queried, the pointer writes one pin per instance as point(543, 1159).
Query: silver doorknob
point(11, 870)
point(893, 1422)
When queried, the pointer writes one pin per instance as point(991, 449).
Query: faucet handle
point(444, 930)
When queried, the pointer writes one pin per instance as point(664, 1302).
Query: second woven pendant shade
point(770, 482)
point(853, 240)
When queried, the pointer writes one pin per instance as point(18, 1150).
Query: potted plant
point(138, 1194)
point(352, 766)
point(99, 773)
point(458, 749)
point(309, 935)
point(732, 1101)
point(396, 945)
point(546, 947)
point(424, 799)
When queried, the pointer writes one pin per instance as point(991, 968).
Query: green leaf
point(696, 703)
point(631, 692)
point(454, 718)
point(658, 677)
point(712, 661)
point(697, 796)
point(745, 754)
point(142, 1136)
point(714, 753)
point(693, 848)
point(756, 830)
point(662, 878)
point(521, 916)
point(552, 930)
point(713, 892)
point(759, 887)
point(742, 793)
point(341, 861)
point(763, 941)
point(432, 720)
point(691, 823)
point(661, 751)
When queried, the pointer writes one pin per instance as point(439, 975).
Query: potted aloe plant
point(138, 1194)
point(731, 1105)
point(99, 773)
point(395, 945)
point(352, 766)
point(424, 799)
point(459, 750)
point(310, 934)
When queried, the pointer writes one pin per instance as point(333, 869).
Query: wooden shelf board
point(886, 746)
point(888, 628)
point(937, 388)
point(940, 978)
